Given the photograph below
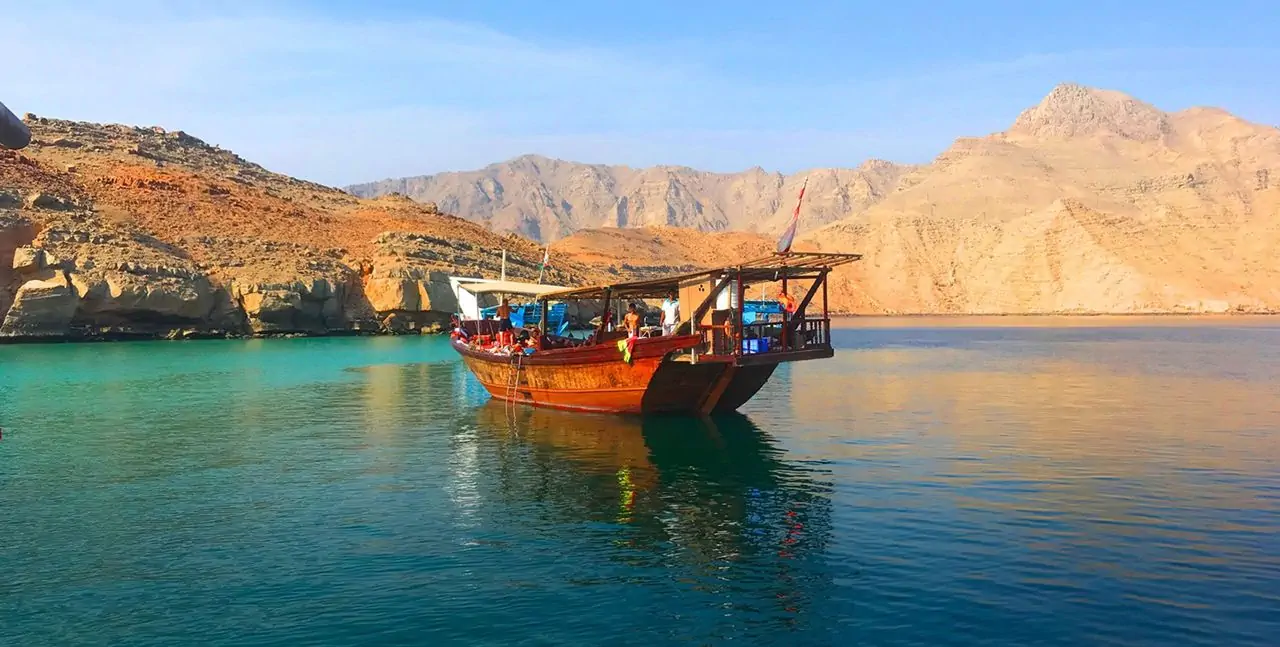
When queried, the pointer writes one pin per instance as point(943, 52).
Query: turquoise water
point(927, 486)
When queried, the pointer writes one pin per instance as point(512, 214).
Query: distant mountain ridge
point(1092, 201)
point(549, 199)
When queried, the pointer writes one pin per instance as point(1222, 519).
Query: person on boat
point(504, 316)
point(532, 341)
point(631, 321)
point(788, 302)
point(459, 332)
point(670, 314)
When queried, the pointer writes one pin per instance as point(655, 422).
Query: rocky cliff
point(549, 199)
point(114, 231)
point(1091, 202)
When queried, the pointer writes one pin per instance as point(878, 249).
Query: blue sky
point(342, 92)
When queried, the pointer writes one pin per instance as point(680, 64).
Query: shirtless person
point(631, 321)
point(504, 316)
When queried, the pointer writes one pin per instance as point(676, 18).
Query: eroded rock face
point(114, 297)
point(87, 278)
point(315, 306)
point(285, 287)
point(43, 307)
point(29, 259)
point(15, 234)
point(410, 290)
point(404, 286)
point(83, 277)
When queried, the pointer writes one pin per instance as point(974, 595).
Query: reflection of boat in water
point(727, 449)
point(721, 352)
point(720, 481)
point(711, 501)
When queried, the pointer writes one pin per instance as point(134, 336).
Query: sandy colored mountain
point(1091, 202)
point(549, 199)
point(110, 230)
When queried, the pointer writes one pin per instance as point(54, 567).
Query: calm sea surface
point(936, 483)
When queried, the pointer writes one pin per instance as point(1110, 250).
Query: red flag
point(789, 236)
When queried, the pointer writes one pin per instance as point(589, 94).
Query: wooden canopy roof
point(793, 265)
point(510, 287)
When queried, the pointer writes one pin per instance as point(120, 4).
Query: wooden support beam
point(798, 317)
point(738, 336)
point(824, 295)
point(604, 315)
point(703, 307)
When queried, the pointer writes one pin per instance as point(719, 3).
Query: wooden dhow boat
point(712, 362)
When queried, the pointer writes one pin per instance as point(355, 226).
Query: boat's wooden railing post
point(737, 336)
point(786, 318)
point(799, 317)
point(823, 278)
point(604, 317)
point(695, 321)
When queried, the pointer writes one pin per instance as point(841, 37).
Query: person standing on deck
point(788, 303)
point(504, 316)
point(631, 321)
point(670, 314)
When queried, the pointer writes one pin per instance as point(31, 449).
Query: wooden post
point(706, 304)
point(786, 318)
point(546, 311)
point(824, 294)
point(738, 335)
point(608, 295)
point(798, 318)
point(826, 317)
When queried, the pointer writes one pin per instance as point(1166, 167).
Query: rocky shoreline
point(114, 232)
point(71, 276)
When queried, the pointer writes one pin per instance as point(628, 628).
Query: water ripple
point(926, 486)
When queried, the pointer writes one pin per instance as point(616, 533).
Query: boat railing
point(786, 336)
point(767, 336)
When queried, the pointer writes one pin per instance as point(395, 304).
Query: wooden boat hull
point(584, 379)
point(596, 379)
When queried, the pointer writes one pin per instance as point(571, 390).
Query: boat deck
point(715, 361)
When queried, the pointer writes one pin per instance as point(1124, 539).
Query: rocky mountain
point(655, 251)
point(548, 199)
point(116, 231)
point(1092, 201)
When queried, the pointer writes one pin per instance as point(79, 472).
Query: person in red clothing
point(788, 302)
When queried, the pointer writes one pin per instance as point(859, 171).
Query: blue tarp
point(531, 314)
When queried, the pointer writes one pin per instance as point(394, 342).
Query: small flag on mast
point(789, 236)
